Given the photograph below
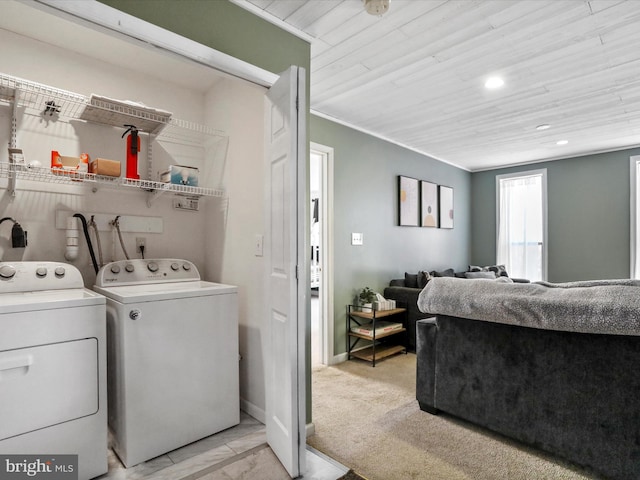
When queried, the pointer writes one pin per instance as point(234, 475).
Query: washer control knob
point(7, 271)
point(41, 272)
point(129, 267)
point(135, 314)
point(186, 266)
point(115, 269)
point(175, 267)
point(59, 271)
point(152, 266)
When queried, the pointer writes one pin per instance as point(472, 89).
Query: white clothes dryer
point(53, 395)
point(173, 370)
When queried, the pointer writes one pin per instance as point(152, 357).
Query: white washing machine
point(53, 395)
point(172, 356)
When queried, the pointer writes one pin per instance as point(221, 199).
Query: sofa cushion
point(487, 275)
point(499, 270)
point(423, 278)
point(411, 280)
point(444, 273)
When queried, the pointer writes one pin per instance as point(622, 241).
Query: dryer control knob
point(59, 271)
point(129, 267)
point(152, 266)
point(41, 272)
point(115, 269)
point(187, 266)
point(175, 267)
point(135, 314)
point(7, 271)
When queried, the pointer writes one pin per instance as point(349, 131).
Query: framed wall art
point(408, 205)
point(446, 206)
point(428, 204)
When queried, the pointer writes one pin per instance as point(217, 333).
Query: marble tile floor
point(238, 453)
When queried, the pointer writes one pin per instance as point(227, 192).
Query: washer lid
point(48, 300)
point(163, 291)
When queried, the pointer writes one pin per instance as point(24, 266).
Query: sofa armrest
point(397, 282)
point(426, 339)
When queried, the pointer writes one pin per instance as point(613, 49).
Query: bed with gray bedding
point(550, 365)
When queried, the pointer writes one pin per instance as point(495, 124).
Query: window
point(522, 224)
point(635, 221)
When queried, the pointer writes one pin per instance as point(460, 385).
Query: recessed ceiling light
point(562, 142)
point(494, 82)
point(544, 126)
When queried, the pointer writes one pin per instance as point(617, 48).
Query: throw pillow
point(500, 270)
point(475, 268)
point(476, 275)
point(410, 280)
point(423, 279)
point(445, 273)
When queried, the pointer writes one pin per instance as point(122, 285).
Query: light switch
point(357, 239)
point(258, 240)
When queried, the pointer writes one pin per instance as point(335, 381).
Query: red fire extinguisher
point(133, 147)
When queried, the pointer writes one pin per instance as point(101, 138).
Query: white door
point(287, 266)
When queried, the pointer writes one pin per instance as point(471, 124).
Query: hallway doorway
point(321, 241)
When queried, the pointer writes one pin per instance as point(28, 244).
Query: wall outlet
point(357, 239)
point(141, 244)
point(186, 203)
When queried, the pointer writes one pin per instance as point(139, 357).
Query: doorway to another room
point(320, 174)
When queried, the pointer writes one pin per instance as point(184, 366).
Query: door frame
point(326, 251)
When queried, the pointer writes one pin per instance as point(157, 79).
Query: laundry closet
point(51, 69)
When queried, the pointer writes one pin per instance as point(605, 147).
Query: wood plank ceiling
point(416, 75)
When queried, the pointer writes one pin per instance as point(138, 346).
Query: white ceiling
point(416, 75)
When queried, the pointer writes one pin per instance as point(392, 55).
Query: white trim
point(310, 429)
point(545, 236)
point(386, 139)
point(99, 14)
point(251, 409)
point(259, 12)
point(634, 161)
point(341, 357)
point(326, 250)
point(554, 159)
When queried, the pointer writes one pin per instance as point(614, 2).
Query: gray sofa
point(553, 366)
point(405, 292)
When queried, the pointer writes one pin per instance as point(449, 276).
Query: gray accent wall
point(588, 212)
point(366, 201)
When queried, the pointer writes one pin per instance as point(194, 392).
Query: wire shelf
point(45, 100)
point(42, 174)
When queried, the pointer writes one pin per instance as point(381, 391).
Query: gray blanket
point(599, 306)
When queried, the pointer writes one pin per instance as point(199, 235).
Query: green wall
point(225, 27)
point(588, 216)
point(366, 201)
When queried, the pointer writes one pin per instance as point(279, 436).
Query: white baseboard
point(256, 412)
point(259, 414)
point(342, 357)
point(311, 429)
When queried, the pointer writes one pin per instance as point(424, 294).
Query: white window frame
point(634, 164)
point(543, 173)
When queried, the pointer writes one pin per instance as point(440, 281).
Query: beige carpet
point(368, 419)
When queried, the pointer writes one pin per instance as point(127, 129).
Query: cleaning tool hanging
point(88, 239)
point(18, 235)
point(133, 147)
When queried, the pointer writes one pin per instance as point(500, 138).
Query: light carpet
point(368, 419)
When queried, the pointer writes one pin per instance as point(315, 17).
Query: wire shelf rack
point(45, 100)
point(48, 175)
